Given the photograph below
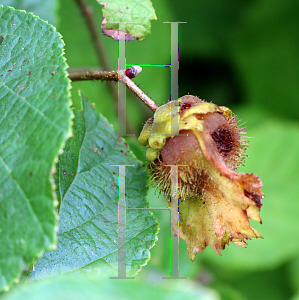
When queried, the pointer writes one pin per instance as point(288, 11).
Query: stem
point(102, 57)
point(115, 76)
point(138, 92)
point(96, 75)
point(92, 27)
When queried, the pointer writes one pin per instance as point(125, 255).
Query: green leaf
point(46, 10)
point(136, 13)
point(87, 187)
point(92, 287)
point(273, 153)
point(34, 124)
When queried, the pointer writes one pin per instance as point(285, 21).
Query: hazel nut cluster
point(216, 201)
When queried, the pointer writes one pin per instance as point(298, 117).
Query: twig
point(95, 37)
point(138, 92)
point(87, 13)
point(122, 76)
point(96, 75)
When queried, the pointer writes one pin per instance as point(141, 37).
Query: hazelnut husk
point(215, 201)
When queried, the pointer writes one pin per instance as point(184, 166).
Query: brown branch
point(95, 37)
point(87, 14)
point(96, 75)
point(138, 92)
point(116, 76)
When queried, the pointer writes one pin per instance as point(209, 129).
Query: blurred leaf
point(46, 10)
point(270, 284)
point(87, 187)
point(227, 292)
point(264, 49)
point(91, 287)
point(274, 157)
point(138, 12)
point(35, 122)
point(293, 269)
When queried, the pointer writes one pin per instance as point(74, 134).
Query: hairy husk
point(215, 201)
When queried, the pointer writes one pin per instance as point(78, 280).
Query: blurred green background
point(241, 54)
point(244, 55)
